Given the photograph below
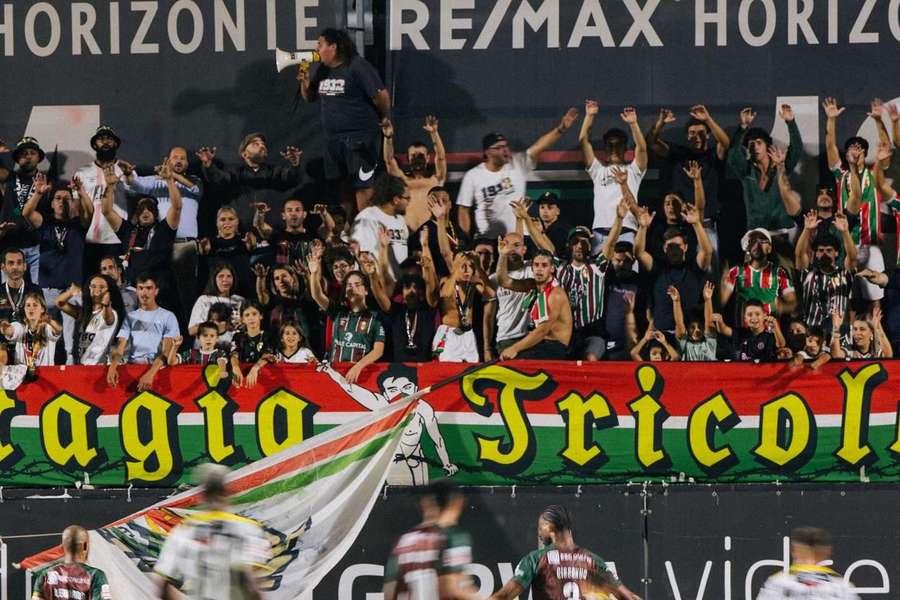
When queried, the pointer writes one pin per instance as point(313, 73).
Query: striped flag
point(312, 500)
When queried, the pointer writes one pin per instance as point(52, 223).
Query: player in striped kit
point(427, 562)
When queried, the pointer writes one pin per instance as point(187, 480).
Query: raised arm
point(737, 159)
point(87, 204)
point(259, 220)
point(262, 293)
point(551, 137)
point(876, 113)
point(107, 206)
point(440, 154)
point(429, 273)
point(894, 112)
point(841, 224)
point(62, 301)
point(854, 194)
point(883, 341)
point(591, 108)
point(695, 172)
point(173, 215)
point(609, 244)
point(503, 278)
point(30, 212)
point(314, 266)
point(629, 116)
point(700, 113)
point(773, 326)
point(675, 296)
point(705, 249)
point(387, 147)
point(640, 240)
point(657, 145)
point(795, 145)
point(535, 229)
point(802, 251)
point(790, 198)
point(882, 161)
point(832, 112)
point(441, 216)
point(708, 289)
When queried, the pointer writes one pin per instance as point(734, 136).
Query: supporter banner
point(507, 423)
point(312, 501)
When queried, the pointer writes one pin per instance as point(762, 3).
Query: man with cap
point(101, 239)
point(555, 228)
point(15, 231)
point(758, 279)
point(242, 186)
point(499, 179)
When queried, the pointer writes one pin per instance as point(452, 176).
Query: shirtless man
point(419, 179)
point(400, 381)
point(550, 314)
point(455, 340)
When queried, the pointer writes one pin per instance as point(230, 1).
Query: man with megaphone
point(354, 103)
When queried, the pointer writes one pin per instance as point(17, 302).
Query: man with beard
point(555, 228)
point(867, 204)
point(506, 315)
point(391, 199)
point(15, 231)
point(15, 288)
point(101, 239)
point(185, 258)
point(826, 284)
point(750, 161)
point(243, 185)
point(759, 279)
point(606, 187)
point(711, 161)
point(291, 239)
point(687, 276)
point(418, 179)
point(547, 307)
point(501, 178)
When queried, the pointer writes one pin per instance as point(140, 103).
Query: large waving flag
point(312, 500)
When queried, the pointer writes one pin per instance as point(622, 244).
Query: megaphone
point(285, 59)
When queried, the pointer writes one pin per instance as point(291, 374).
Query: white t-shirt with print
point(491, 192)
point(94, 183)
point(47, 351)
point(300, 357)
point(94, 341)
point(512, 321)
point(607, 194)
point(366, 233)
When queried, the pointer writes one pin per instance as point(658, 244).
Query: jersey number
point(571, 591)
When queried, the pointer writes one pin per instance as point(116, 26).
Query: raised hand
point(109, 174)
point(777, 155)
point(250, 241)
point(893, 111)
point(127, 167)
point(747, 116)
point(384, 236)
point(520, 208)
point(787, 113)
point(630, 298)
point(884, 152)
point(568, 119)
point(620, 175)
point(431, 124)
point(876, 316)
point(260, 270)
point(811, 220)
point(837, 319)
point(690, 214)
point(629, 115)
point(387, 128)
point(261, 207)
point(673, 293)
point(204, 246)
point(717, 320)
point(292, 154)
point(206, 155)
point(645, 218)
point(436, 207)
point(699, 112)
point(831, 108)
point(591, 107)
point(708, 288)
point(74, 290)
point(502, 247)
point(177, 341)
point(666, 116)
point(693, 170)
point(659, 336)
point(876, 108)
point(840, 222)
point(41, 185)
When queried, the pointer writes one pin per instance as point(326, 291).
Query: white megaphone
point(285, 59)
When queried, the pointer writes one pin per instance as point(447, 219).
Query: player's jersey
point(807, 582)
point(422, 555)
point(72, 581)
point(206, 554)
point(555, 574)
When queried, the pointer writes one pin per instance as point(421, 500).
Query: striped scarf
point(537, 303)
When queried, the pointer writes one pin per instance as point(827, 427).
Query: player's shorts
point(451, 345)
point(353, 157)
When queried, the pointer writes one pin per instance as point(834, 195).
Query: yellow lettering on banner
point(649, 418)
point(149, 429)
point(69, 432)
point(773, 433)
point(218, 418)
point(513, 454)
point(715, 412)
point(581, 416)
point(858, 388)
point(9, 408)
point(894, 448)
point(283, 420)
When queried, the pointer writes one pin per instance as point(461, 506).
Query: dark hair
point(624, 247)
point(398, 370)
point(387, 188)
point(411, 279)
point(558, 517)
point(334, 254)
point(863, 142)
point(59, 186)
point(692, 122)
point(252, 304)
point(211, 289)
point(757, 133)
point(441, 491)
point(365, 280)
point(145, 277)
point(811, 536)
point(270, 281)
point(9, 251)
point(437, 189)
point(816, 331)
point(148, 203)
point(827, 186)
point(673, 232)
point(220, 311)
point(291, 323)
point(207, 325)
point(826, 239)
point(753, 302)
point(615, 133)
point(346, 49)
point(87, 312)
point(292, 199)
point(417, 144)
point(544, 252)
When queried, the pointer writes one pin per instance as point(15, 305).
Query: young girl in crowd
point(96, 326)
point(249, 344)
point(292, 345)
point(35, 336)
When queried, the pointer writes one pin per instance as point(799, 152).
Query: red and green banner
point(517, 422)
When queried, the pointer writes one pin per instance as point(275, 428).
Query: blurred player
point(428, 561)
point(72, 578)
point(560, 570)
point(807, 580)
point(212, 554)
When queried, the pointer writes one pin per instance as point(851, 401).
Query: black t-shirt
point(234, 252)
point(421, 323)
point(346, 93)
point(656, 238)
point(62, 247)
point(748, 346)
point(713, 170)
point(688, 279)
point(148, 248)
point(558, 232)
point(250, 349)
point(289, 246)
point(16, 194)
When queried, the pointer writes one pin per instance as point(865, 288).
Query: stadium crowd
point(114, 266)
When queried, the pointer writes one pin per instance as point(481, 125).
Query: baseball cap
point(581, 231)
point(491, 139)
point(548, 198)
point(248, 139)
point(105, 130)
point(759, 231)
point(27, 143)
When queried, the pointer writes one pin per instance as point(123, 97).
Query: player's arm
point(510, 591)
point(454, 586)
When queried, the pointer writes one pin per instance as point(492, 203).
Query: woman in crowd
point(865, 341)
point(35, 336)
point(96, 327)
point(220, 288)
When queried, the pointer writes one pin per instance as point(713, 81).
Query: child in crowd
point(35, 336)
point(249, 344)
point(760, 338)
point(207, 353)
point(658, 347)
point(697, 340)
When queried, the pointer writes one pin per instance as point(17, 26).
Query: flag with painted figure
point(311, 501)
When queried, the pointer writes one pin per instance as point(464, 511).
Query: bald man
point(73, 578)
